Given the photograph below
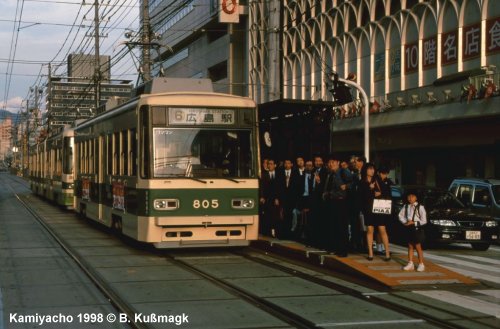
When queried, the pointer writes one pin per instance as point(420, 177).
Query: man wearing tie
point(289, 197)
point(317, 217)
point(270, 200)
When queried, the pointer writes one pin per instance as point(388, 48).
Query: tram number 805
point(205, 204)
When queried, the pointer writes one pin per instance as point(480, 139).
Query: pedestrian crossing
point(468, 302)
point(476, 267)
point(486, 269)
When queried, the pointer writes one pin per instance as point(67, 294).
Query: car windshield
point(441, 200)
point(496, 192)
point(198, 152)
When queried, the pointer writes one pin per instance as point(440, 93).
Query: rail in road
point(230, 289)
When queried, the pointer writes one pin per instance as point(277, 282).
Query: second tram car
point(176, 169)
point(51, 167)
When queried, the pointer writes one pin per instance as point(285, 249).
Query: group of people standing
point(327, 206)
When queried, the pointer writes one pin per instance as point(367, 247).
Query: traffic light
point(341, 93)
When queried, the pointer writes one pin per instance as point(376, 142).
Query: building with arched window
point(429, 67)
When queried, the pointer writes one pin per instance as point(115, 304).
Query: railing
point(476, 87)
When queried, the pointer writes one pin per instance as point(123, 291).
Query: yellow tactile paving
point(389, 273)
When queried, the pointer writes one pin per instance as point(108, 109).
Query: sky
point(36, 32)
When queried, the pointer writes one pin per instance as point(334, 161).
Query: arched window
point(429, 47)
point(365, 16)
point(471, 35)
point(394, 58)
point(395, 6)
point(411, 53)
point(449, 40)
point(379, 64)
point(379, 10)
point(411, 3)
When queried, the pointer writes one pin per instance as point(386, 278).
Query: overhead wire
point(12, 52)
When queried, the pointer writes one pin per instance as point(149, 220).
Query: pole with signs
point(342, 96)
point(366, 112)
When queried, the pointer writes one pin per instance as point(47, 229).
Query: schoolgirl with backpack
point(414, 217)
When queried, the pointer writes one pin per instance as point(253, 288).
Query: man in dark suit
point(335, 197)
point(317, 217)
point(289, 185)
point(270, 200)
point(304, 189)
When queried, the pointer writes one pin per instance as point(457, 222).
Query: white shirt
point(406, 216)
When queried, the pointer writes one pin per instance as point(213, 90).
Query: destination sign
point(201, 116)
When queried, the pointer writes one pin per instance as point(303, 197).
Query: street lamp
point(338, 85)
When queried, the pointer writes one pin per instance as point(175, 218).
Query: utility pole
point(49, 93)
point(146, 39)
point(97, 74)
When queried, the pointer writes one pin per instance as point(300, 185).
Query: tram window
point(58, 162)
point(133, 153)
point(109, 157)
point(91, 156)
point(159, 115)
point(85, 164)
point(202, 153)
point(124, 152)
point(87, 157)
point(68, 155)
point(116, 153)
point(246, 116)
point(145, 143)
point(97, 156)
point(84, 152)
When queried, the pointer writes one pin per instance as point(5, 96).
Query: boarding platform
point(386, 273)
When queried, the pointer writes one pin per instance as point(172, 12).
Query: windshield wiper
point(197, 179)
point(232, 179)
point(192, 178)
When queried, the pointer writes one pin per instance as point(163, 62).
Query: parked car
point(482, 195)
point(449, 220)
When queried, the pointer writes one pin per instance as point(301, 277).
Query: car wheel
point(480, 246)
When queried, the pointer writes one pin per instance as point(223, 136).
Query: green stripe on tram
point(203, 202)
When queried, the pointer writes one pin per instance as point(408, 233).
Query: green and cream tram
point(176, 169)
point(51, 167)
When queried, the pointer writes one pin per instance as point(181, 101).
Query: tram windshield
point(198, 152)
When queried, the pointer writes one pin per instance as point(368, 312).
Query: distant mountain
point(6, 114)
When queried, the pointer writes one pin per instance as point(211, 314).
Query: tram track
point(372, 298)
point(275, 310)
point(285, 315)
point(301, 322)
point(120, 305)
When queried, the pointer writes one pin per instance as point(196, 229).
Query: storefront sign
point(395, 62)
point(229, 11)
point(449, 48)
point(493, 35)
point(471, 40)
point(379, 66)
point(429, 52)
point(411, 57)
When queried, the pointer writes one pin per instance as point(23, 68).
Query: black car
point(448, 220)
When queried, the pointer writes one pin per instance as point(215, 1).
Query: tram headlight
point(243, 203)
point(166, 204)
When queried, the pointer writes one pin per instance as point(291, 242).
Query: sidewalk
point(389, 274)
